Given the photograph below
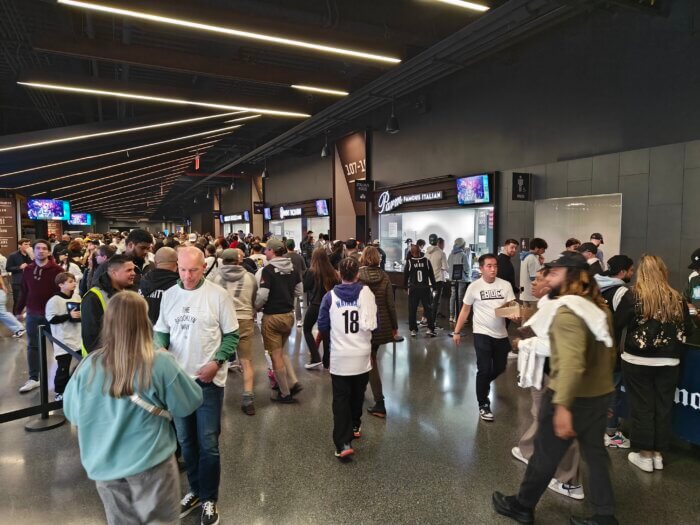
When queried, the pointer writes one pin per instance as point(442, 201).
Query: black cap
point(433, 239)
point(619, 263)
point(568, 260)
point(695, 260)
point(588, 247)
point(597, 237)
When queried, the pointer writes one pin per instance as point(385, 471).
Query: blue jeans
point(33, 323)
point(6, 317)
point(198, 435)
point(618, 404)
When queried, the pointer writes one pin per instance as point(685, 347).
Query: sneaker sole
point(519, 458)
point(345, 454)
point(487, 418)
point(377, 414)
point(567, 494)
point(189, 511)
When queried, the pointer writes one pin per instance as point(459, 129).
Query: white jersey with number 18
point(351, 346)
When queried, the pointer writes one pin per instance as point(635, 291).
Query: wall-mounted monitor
point(475, 189)
point(267, 214)
point(48, 210)
point(80, 219)
point(246, 216)
point(322, 208)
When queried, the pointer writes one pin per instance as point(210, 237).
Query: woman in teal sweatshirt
point(122, 398)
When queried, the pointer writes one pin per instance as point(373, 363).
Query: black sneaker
point(248, 409)
point(296, 388)
point(509, 506)
point(357, 432)
point(485, 413)
point(189, 503)
point(377, 410)
point(285, 400)
point(210, 516)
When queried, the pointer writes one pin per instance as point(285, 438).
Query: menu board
point(8, 226)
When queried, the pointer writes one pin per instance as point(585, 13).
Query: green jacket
point(580, 366)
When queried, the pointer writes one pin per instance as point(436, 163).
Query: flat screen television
point(475, 189)
point(80, 219)
point(322, 208)
point(48, 210)
point(246, 216)
point(267, 214)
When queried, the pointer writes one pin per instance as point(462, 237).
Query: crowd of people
point(160, 321)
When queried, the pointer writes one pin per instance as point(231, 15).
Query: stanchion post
point(45, 421)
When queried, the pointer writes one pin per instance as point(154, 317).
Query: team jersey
point(418, 273)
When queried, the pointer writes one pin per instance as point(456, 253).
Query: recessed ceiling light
point(133, 148)
point(321, 90)
point(166, 100)
point(71, 175)
point(466, 5)
point(113, 132)
point(249, 35)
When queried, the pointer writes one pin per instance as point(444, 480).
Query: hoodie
point(241, 286)
point(152, 286)
point(349, 313)
point(620, 301)
point(459, 257)
point(439, 261)
point(38, 286)
point(278, 285)
point(92, 313)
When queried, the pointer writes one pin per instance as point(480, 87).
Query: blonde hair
point(127, 351)
point(654, 294)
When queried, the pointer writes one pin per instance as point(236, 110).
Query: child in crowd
point(349, 313)
point(63, 314)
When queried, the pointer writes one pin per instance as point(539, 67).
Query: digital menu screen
point(48, 210)
point(80, 219)
point(474, 190)
point(267, 214)
point(322, 208)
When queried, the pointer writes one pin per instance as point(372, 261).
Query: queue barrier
point(46, 420)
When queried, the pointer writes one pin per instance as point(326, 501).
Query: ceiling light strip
point(114, 132)
point(170, 164)
point(249, 35)
point(166, 100)
point(242, 119)
point(466, 5)
point(111, 196)
point(324, 91)
point(119, 182)
point(62, 177)
point(133, 148)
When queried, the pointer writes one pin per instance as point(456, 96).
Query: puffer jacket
point(378, 281)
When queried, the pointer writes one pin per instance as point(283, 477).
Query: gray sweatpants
point(151, 497)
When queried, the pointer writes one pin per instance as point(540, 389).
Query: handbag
point(148, 407)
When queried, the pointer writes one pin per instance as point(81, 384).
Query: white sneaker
point(517, 454)
point(19, 333)
point(300, 324)
point(565, 489)
point(645, 464)
point(658, 462)
point(235, 366)
point(511, 355)
point(58, 397)
point(309, 366)
point(29, 386)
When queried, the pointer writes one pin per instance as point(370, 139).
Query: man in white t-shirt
point(490, 335)
point(529, 266)
point(198, 324)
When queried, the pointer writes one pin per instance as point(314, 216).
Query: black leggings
point(310, 320)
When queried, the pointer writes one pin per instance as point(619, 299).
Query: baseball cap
point(597, 237)
point(229, 254)
point(619, 263)
point(275, 245)
point(568, 260)
point(695, 260)
point(433, 239)
point(588, 247)
point(375, 242)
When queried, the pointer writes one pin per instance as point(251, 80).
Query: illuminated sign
point(385, 202)
point(291, 212)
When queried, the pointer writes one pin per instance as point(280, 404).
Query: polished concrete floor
point(431, 461)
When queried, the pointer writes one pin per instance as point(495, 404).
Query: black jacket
point(92, 314)
point(14, 261)
point(506, 271)
point(595, 268)
point(152, 286)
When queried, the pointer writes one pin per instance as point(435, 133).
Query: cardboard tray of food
point(515, 309)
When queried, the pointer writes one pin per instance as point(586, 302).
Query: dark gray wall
point(238, 199)
point(596, 84)
point(297, 179)
point(659, 189)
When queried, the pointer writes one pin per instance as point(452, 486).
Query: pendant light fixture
point(265, 174)
point(325, 151)
point(392, 125)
